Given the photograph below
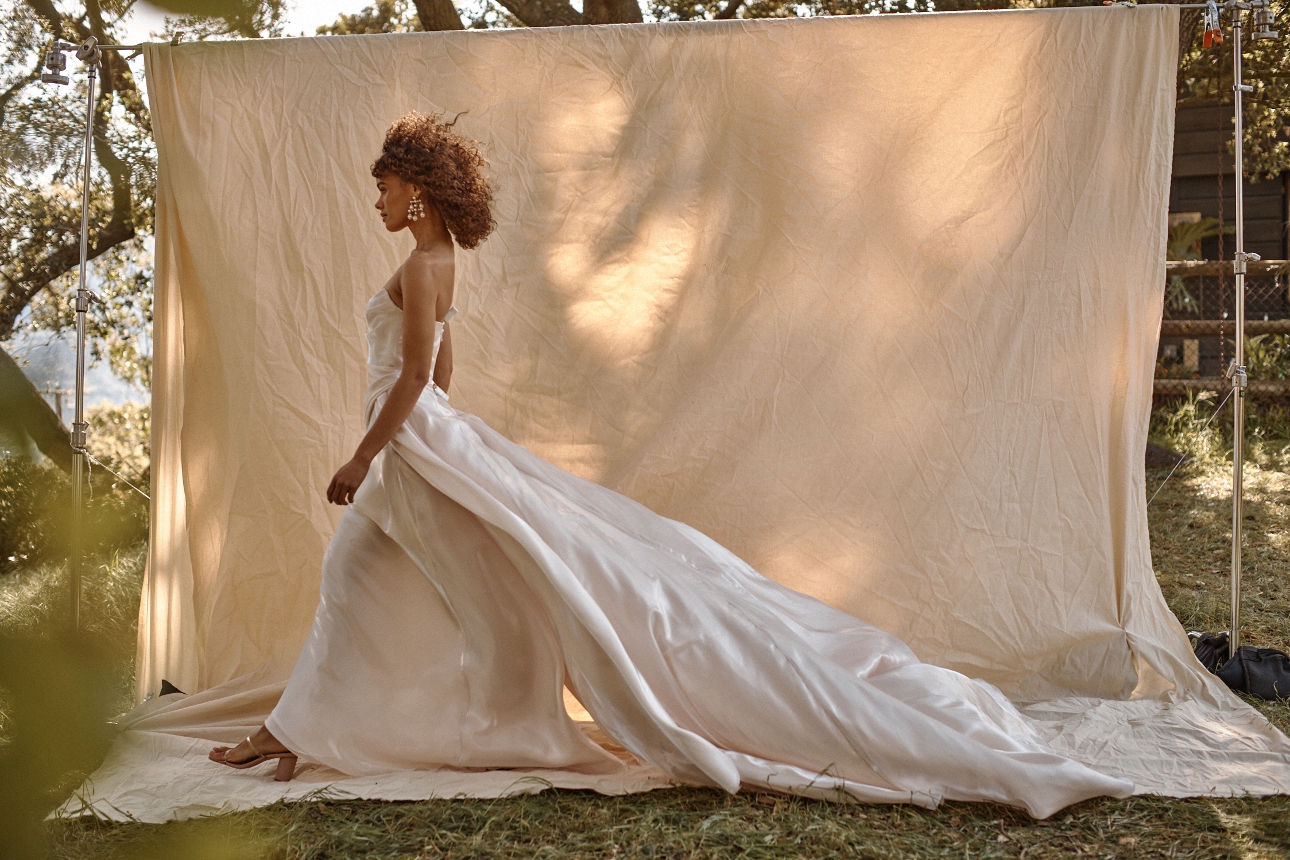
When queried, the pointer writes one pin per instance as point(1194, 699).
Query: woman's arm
point(426, 283)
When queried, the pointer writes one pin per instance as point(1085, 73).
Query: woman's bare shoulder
point(427, 268)
point(429, 275)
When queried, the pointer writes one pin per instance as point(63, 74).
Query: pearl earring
point(416, 209)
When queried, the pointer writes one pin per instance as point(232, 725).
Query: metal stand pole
point(79, 425)
point(1237, 371)
point(91, 54)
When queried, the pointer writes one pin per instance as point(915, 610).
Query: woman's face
point(393, 202)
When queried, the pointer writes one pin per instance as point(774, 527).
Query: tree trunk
point(611, 12)
point(24, 407)
point(438, 15)
point(543, 13)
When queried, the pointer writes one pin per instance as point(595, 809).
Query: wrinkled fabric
point(872, 302)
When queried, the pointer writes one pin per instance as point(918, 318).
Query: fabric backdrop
point(872, 301)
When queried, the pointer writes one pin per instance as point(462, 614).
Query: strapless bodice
point(385, 341)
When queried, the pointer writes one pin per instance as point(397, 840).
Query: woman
point(469, 582)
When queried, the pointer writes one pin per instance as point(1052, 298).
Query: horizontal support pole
point(1213, 268)
point(1191, 328)
point(1254, 387)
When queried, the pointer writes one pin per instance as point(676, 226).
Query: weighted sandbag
point(1262, 672)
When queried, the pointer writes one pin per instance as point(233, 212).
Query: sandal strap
point(253, 747)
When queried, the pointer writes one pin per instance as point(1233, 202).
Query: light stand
point(1236, 371)
point(91, 54)
point(1263, 22)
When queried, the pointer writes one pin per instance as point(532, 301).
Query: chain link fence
point(1196, 336)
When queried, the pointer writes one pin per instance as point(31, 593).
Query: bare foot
point(265, 742)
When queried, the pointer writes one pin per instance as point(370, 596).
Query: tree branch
point(729, 10)
point(33, 414)
point(543, 13)
point(46, 10)
point(36, 277)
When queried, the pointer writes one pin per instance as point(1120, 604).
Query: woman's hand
point(344, 485)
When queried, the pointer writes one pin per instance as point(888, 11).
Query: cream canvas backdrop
point(872, 301)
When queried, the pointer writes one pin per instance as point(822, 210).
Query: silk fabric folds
point(872, 302)
point(473, 580)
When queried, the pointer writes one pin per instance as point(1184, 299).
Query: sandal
point(286, 761)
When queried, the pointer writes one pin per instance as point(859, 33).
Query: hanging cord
point(1222, 276)
point(1187, 454)
point(90, 457)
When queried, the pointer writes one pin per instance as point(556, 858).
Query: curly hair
point(421, 150)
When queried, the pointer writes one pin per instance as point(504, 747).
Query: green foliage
point(200, 20)
point(35, 501)
point(35, 498)
point(1180, 425)
point(1185, 237)
point(120, 438)
point(1206, 74)
point(59, 693)
point(1178, 299)
point(1184, 244)
point(1267, 356)
point(28, 495)
point(119, 326)
point(400, 16)
point(1184, 426)
point(384, 16)
point(59, 689)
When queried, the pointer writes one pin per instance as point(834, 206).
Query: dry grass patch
point(1191, 534)
point(697, 823)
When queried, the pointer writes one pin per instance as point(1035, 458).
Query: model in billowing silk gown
point(470, 581)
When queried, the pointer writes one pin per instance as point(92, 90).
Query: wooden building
point(1203, 165)
point(1203, 184)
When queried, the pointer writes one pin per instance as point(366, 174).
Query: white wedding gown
point(471, 581)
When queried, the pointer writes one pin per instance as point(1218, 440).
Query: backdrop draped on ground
point(872, 301)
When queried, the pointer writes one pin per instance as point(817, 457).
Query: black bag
point(1211, 651)
point(1262, 672)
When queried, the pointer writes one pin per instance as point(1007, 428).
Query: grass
point(693, 823)
point(1190, 529)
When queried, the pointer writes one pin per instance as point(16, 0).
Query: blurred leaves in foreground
point(59, 690)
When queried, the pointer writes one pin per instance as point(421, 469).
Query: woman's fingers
point(344, 486)
point(340, 492)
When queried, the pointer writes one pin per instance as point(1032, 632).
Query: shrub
point(36, 498)
point(1181, 426)
point(1267, 356)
